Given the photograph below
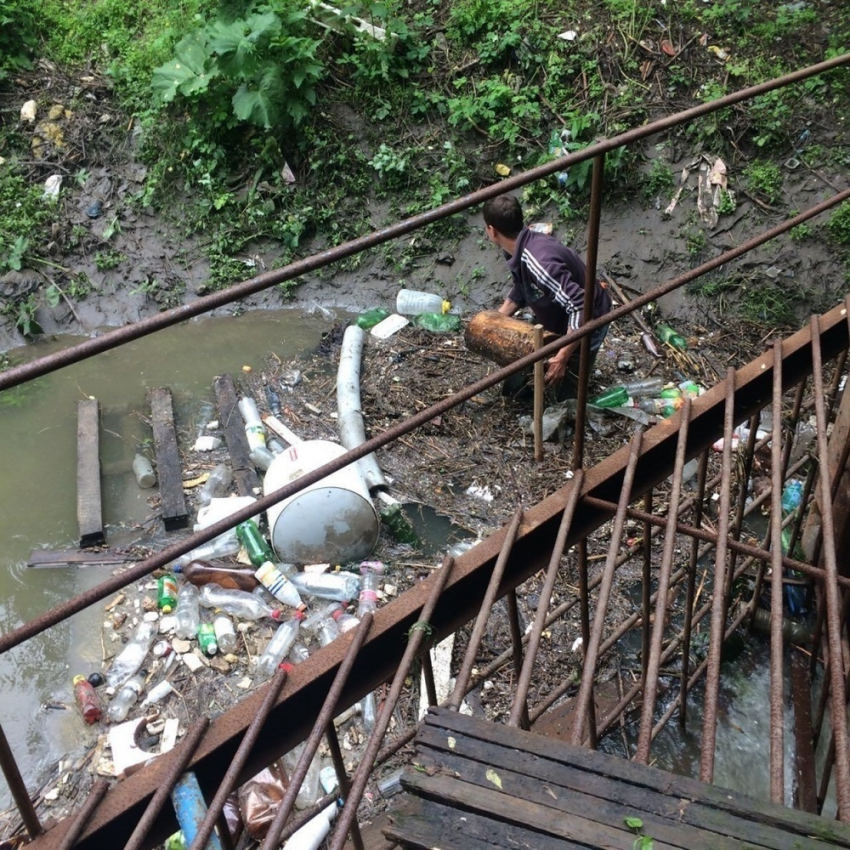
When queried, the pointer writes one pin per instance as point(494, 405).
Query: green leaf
point(240, 43)
point(52, 295)
point(17, 254)
point(255, 106)
point(188, 73)
point(633, 823)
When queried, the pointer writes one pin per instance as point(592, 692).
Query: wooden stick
point(618, 291)
point(538, 396)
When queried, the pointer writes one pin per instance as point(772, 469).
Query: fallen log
point(501, 338)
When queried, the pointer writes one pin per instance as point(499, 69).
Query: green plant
point(18, 35)
point(764, 178)
point(264, 64)
point(839, 224)
point(695, 240)
point(802, 232)
point(642, 842)
point(660, 180)
point(727, 203)
point(105, 261)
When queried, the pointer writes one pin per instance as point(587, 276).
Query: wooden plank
point(89, 507)
point(498, 806)
point(805, 789)
point(45, 558)
point(660, 823)
point(244, 474)
point(427, 824)
point(748, 808)
point(169, 472)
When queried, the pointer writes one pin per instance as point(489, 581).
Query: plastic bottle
point(666, 334)
point(216, 485)
point(206, 639)
point(200, 573)
point(370, 318)
point(308, 793)
point(157, 694)
point(644, 387)
point(337, 586)
point(411, 302)
point(278, 584)
point(87, 701)
point(670, 392)
point(399, 525)
point(225, 634)
point(328, 780)
point(255, 544)
point(131, 658)
point(254, 430)
point(273, 398)
point(612, 397)
point(166, 593)
point(125, 699)
point(223, 546)
point(792, 496)
point(187, 614)
point(313, 833)
point(370, 572)
point(690, 389)
point(298, 653)
point(237, 603)
point(143, 470)
point(327, 631)
point(261, 457)
point(369, 712)
point(280, 644)
point(345, 622)
point(438, 322)
point(276, 446)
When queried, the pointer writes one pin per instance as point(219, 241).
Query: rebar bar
point(18, 788)
point(75, 830)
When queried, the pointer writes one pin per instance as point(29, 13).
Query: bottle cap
point(447, 305)
point(285, 665)
point(166, 609)
point(78, 679)
point(276, 613)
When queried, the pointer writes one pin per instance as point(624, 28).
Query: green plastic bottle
point(370, 318)
point(612, 397)
point(255, 544)
point(666, 334)
point(670, 392)
point(438, 322)
point(167, 593)
point(207, 639)
point(691, 389)
point(398, 524)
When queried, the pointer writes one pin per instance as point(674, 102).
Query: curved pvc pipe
point(352, 431)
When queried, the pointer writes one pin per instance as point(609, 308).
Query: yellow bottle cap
point(446, 306)
point(166, 609)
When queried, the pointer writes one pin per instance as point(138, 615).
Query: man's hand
point(556, 367)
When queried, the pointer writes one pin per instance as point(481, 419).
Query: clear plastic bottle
point(254, 429)
point(370, 578)
point(216, 485)
point(411, 302)
point(369, 713)
point(237, 603)
point(345, 622)
point(337, 586)
point(187, 614)
point(225, 634)
point(278, 584)
point(223, 546)
point(644, 387)
point(298, 653)
point(143, 470)
point(261, 457)
point(125, 699)
point(157, 694)
point(276, 446)
point(327, 631)
point(131, 658)
point(280, 644)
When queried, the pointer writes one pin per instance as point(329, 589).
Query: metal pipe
point(833, 623)
point(180, 760)
point(597, 183)
point(228, 782)
point(516, 650)
point(20, 374)
point(18, 788)
point(64, 610)
point(323, 722)
point(77, 826)
point(367, 761)
point(584, 617)
point(690, 590)
point(646, 591)
point(524, 677)
point(777, 724)
point(651, 679)
point(584, 698)
point(718, 606)
point(484, 611)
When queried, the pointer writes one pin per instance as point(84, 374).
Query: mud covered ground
point(136, 261)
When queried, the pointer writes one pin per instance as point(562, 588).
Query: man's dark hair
point(505, 214)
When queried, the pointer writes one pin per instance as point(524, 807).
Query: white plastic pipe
point(313, 833)
point(352, 431)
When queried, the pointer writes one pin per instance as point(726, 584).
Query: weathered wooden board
point(89, 506)
point(46, 558)
point(244, 474)
point(507, 779)
point(499, 338)
point(168, 468)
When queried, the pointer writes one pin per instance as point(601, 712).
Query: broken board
point(244, 474)
point(89, 507)
point(173, 502)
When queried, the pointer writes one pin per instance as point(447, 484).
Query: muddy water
point(38, 497)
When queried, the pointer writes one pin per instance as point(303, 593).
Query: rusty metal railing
point(445, 602)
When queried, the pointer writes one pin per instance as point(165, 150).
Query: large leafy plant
point(263, 62)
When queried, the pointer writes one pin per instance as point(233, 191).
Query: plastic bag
point(260, 797)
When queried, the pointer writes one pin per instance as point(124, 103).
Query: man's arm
point(556, 367)
point(509, 307)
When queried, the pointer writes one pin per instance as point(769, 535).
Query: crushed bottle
point(125, 699)
point(237, 603)
point(340, 587)
point(131, 658)
point(280, 644)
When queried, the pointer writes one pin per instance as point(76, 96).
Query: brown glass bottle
point(224, 575)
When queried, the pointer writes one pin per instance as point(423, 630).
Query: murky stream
point(38, 496)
